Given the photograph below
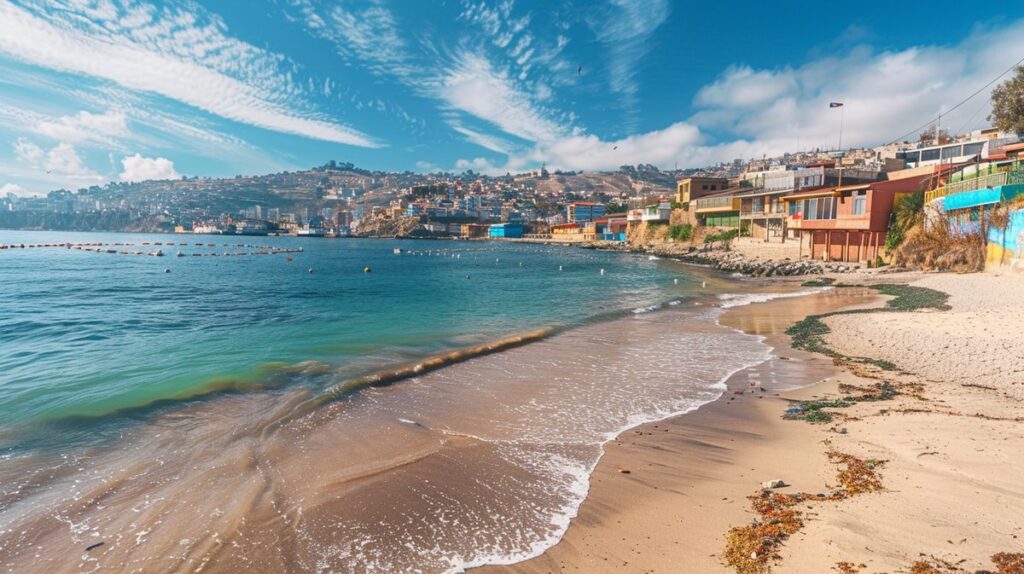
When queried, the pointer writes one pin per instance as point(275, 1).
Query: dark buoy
point(367, 269)
point(468, 277)
point(166, 270)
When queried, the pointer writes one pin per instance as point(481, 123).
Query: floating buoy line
point(123, 248)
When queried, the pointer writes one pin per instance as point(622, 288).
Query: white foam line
point(582, 484)
point(737, 300)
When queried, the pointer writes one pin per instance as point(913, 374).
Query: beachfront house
point(612, 228)
point(655, 213)
point(762, 211)
point(847, 223)
point(719, 209)
point(474, 230)
point(692, 188)
point(506, 231)
point(574, 232)
point(579, 211)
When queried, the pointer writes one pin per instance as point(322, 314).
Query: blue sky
point(93, 91)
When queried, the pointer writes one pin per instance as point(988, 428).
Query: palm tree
point(908, 211)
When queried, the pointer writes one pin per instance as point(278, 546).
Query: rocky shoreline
point(719, 256)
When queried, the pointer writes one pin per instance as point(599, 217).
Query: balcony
point(717, 204)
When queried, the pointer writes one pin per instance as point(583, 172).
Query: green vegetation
point(722, 236)
point(684, 205)
point(907, 214)
point(809, 333)
point(680, 232)
point(820, 282)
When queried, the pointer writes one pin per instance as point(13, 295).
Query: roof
point(1012, 147)
point(586, 203)
point(822, 192)
point(730, 191)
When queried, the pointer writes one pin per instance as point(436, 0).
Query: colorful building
point(584, 211)
point(720, 209)
point(474, 230)
point(506, 231)
point(574, 232)
point(612, 228)
point(847, 223)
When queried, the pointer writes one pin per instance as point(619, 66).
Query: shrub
point(722, 236)
point(680, 232)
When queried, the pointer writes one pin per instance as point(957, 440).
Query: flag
point(835, 104)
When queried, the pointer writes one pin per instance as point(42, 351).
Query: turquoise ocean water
point(86, 335)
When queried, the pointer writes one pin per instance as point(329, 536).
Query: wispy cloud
point(476, 87)
point(365, 31)
point(182, 55)
point(625, 28)
point(86, 126)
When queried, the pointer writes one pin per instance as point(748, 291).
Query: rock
point(623, 471)
point(773, 484)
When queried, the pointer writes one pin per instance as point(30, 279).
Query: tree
point(1008, 104)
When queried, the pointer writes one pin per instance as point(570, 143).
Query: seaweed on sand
point(809, 333)
point(754, 548)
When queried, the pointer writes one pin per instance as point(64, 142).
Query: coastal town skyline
point(95, 90)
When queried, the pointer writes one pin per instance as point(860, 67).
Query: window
point(950, 152)
point(704, 187)
point(973, 148)
point(929, 154)
point(860, 202)
point(811, 209)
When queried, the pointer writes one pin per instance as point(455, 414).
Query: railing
point(997, 179)
point(985, 181)
point(930, 196)
point(725, 202)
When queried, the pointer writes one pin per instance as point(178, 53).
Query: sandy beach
point(948, 447)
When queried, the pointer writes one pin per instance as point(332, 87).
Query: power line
point(962, 102)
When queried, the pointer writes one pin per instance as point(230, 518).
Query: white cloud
point(28, 152)
point(475, 87)
point(886, 94)
point(741, 86)
point(61, 160)
point(625, 28)
point(14, 188)
point(139, 168)
point(85, 126)
point(177, 54)
point(368, 34)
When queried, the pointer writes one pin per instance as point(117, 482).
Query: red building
point(847, 223)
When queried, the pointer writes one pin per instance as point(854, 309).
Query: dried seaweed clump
point(1009, 563)
point(751, 549)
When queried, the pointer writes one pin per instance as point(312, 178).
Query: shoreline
point(721, 435)
point(948, 443)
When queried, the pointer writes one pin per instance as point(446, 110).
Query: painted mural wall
point(1006, 246)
